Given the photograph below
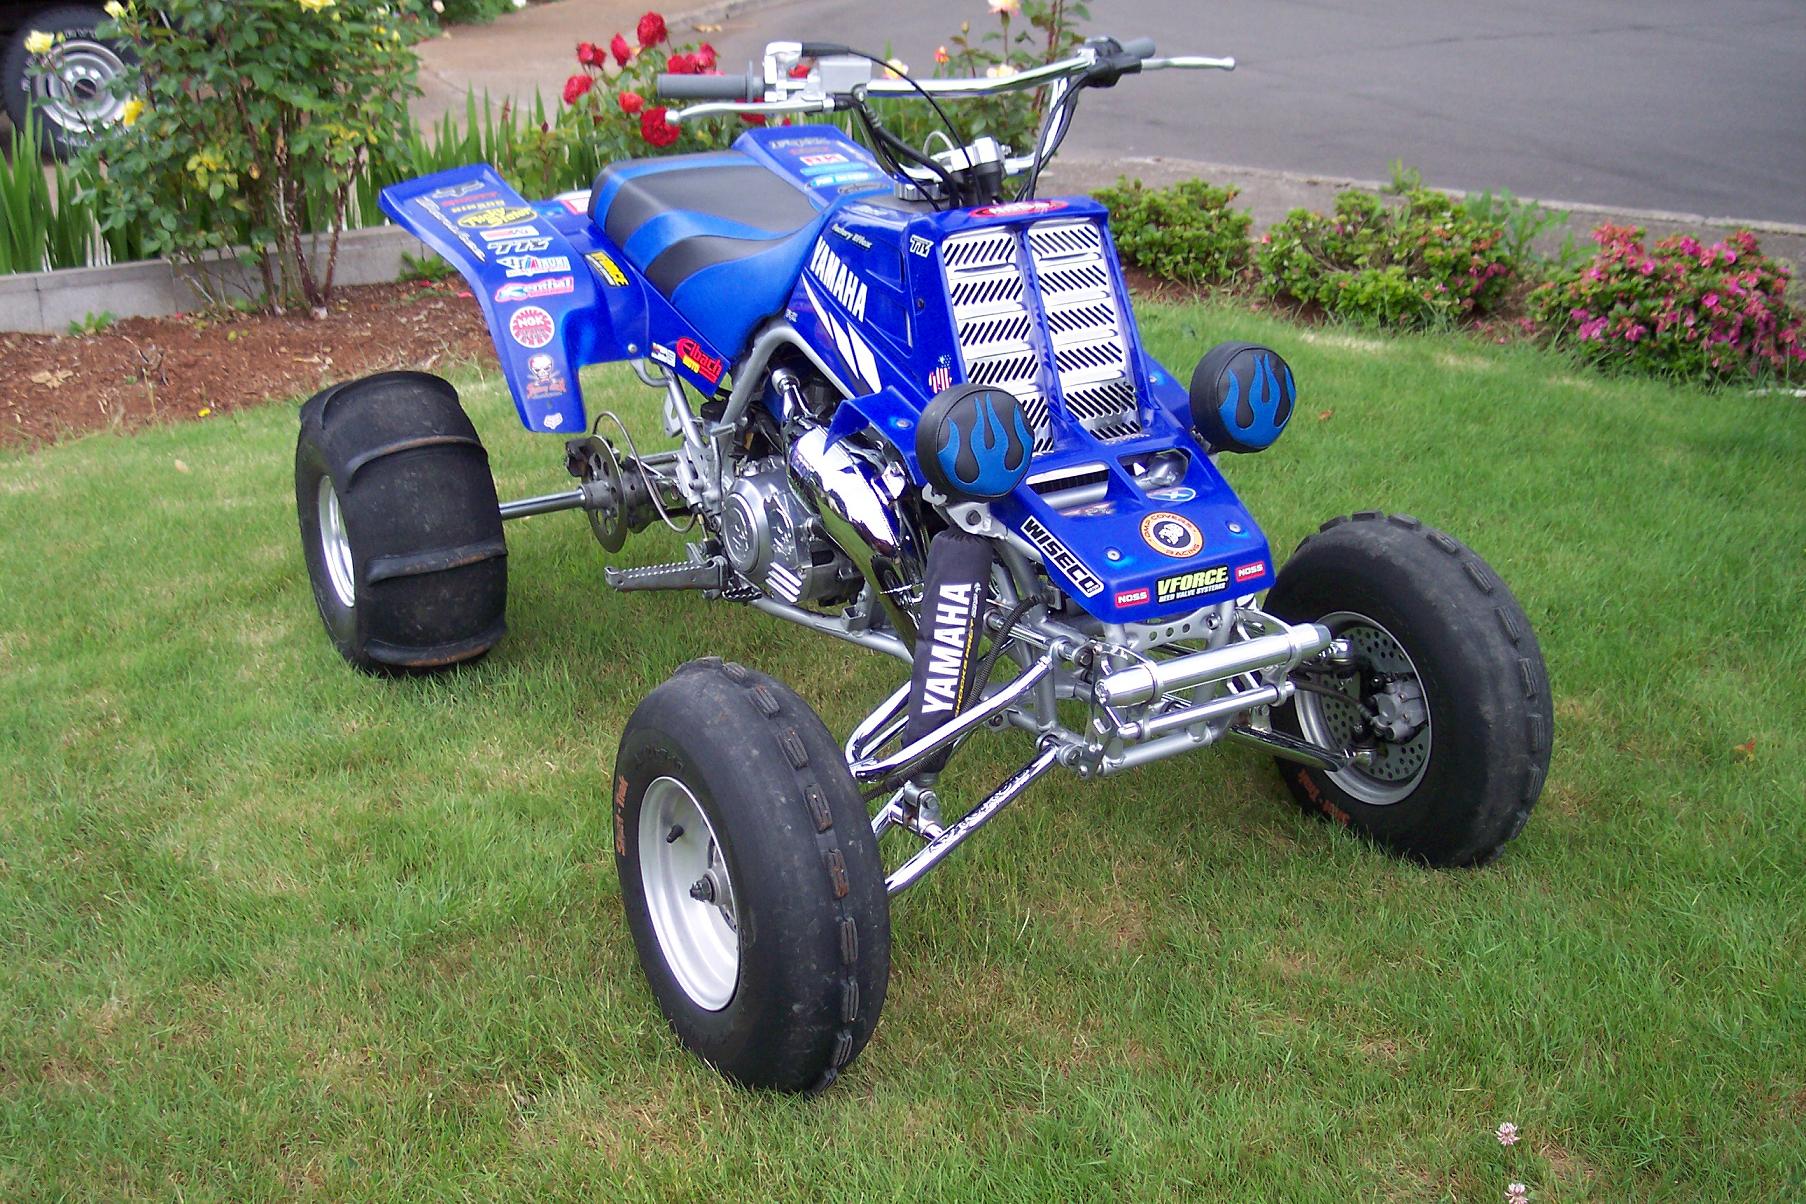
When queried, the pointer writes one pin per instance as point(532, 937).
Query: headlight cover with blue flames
point(1242, 396)
point(973, 442)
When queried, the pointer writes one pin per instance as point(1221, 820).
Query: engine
point(775, 541)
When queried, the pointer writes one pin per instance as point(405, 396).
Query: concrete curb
point(48, 302)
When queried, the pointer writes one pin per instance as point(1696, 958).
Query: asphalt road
point(1673, 105)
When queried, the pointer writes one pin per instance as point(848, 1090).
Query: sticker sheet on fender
point(1064, 558)
point(495, 217)
point(1180, 586)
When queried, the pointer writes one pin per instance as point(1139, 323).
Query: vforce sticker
point(607, 269)
point(1172, 534)
point(1180, 586)
point(1063, 557)
point(484, 218)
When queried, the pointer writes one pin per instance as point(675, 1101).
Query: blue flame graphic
point(989, 464)
point(1258, 417)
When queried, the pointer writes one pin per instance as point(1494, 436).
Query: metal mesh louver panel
point(995, 326)
point(1084, 322)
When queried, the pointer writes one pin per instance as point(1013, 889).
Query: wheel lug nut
point(703, 890)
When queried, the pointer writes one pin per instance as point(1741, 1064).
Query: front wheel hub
point(1383, 713)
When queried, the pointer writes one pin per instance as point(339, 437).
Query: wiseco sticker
point(1132, 597)
point(1248, 572)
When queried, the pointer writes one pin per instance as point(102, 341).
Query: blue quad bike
point(910, 410)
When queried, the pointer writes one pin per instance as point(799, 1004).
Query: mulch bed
point(147, 370)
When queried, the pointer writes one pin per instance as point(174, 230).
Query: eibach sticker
point(693, 357)
point(531, 327)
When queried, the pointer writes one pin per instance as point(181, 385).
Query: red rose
point(588, 55)
point(655, 129)
point(705, 56)
point(631, 102)
point(753, 118)
point(575, 87)
point(651, 30)
point(681, 64)
point(620, 49)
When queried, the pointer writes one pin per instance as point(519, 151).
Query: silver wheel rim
point(335, 546)
point(1395, 773)
point(696, 929)
point(75, 92)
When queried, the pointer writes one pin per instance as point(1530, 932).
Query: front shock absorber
point(953, 602)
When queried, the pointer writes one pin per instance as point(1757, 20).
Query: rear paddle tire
point(750, 878)
point(1446, 701)
point(400, 526)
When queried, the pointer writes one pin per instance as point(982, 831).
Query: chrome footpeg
point(684, 574)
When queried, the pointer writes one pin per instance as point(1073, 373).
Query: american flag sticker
point(941, 378)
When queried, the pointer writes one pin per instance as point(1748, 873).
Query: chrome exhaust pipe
point(859, 512)
point(1148, 680)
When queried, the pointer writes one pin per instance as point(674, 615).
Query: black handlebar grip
point(750, 86)
point(1141, 48)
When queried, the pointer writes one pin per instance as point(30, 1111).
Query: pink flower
point(1516, 1193)
point(1710, 301)
point(1508, 1134)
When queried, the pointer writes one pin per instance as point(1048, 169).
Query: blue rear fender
point(555, 295)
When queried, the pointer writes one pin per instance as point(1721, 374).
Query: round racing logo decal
point(532, 327)
point(1171, 534)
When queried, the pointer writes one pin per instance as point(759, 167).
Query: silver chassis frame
point(1149, 693)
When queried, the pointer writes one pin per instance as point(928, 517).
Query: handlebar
point(748, 87)
point(1099, 62)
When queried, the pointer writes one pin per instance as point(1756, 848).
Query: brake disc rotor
point(608, 523)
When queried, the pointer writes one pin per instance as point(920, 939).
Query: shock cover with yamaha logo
point(993, 348)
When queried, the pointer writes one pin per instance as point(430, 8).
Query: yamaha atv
point(911, 411)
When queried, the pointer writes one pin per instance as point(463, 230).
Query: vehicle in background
point(75, 98)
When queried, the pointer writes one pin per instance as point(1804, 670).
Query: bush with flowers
point(251, 123)
point(1028, 34)
point(1680, 308)
point(610, 108)
point(1425, 262)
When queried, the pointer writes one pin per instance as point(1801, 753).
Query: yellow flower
point(1005, 7)
point(133, 109)
point(114, 9)
point(38, 42)
point(896, 68)
point(206, 410)
point(314, 6)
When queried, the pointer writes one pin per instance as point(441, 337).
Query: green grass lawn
point(274, 928)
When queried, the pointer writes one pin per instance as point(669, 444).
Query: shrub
point(1679, 308)
point(1186, 232)
point(253, 121)
point(1426, 262)
point(611, 109)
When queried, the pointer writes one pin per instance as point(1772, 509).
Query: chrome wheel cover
point(335, 546)
point(75, 91)
point(678, 854)
point(1400, 766)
